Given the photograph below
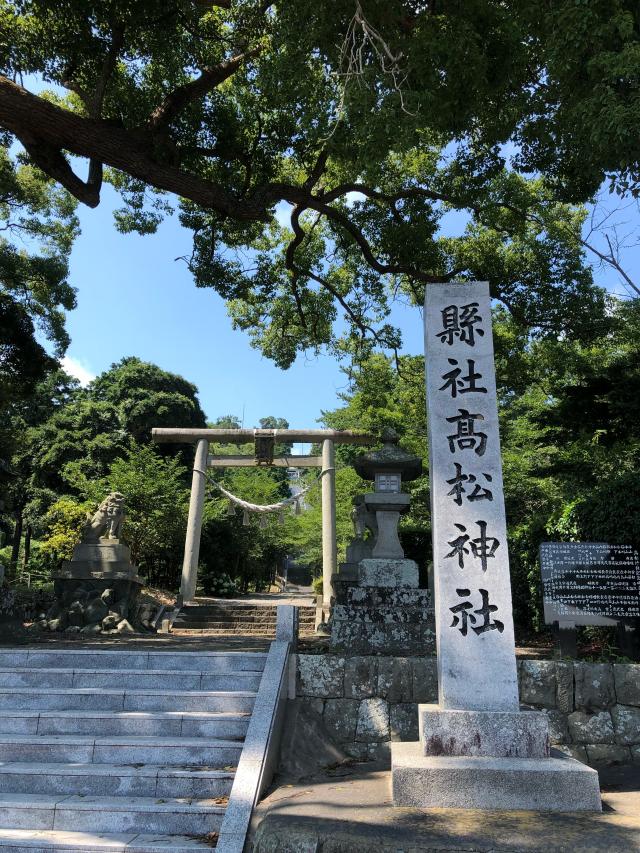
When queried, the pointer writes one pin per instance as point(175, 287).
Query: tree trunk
point(27, 548)
point(15, 549)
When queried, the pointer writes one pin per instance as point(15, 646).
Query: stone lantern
point(378, 604)
point(388, 468)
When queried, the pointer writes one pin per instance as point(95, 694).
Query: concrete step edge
point(195, 716)
point(110, 805)
point(159, 673)
point(106, 691)
point(86, 842)
point(130, 652)
point(120, 740)
point(27, 768)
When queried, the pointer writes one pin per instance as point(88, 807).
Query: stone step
point(150, 679)
point(137, 723)
point(109, 750)
point(228, 604)
point(112, 749)
point(110, 814)
point(247, 631)
point(227, 623)
point(232, 611)
point(131, 660)
point(52, 841)
point(113, 780)
point(258, 613)
point(102, 699)
point(231, 617)
point(233, 620)
point(215, 608)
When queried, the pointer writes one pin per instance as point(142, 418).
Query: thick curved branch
point(316, 173)
point(54, 163)
point(39, 123)
point(298, 238)
point(364, 328)
point(47, 130)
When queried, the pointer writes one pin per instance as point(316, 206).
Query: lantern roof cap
point(389, 457)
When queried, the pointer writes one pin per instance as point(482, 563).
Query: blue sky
point(134, 298)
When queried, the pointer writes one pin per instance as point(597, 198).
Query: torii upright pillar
point(329, 545)
point(194, 523)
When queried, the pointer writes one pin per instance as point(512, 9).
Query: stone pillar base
point(557, 784)
point(497, 734)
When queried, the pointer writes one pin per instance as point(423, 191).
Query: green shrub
point(63, 524)
point(218, 585)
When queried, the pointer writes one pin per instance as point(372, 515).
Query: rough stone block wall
point(368, 701)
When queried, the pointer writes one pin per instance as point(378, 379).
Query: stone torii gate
point(264, 441)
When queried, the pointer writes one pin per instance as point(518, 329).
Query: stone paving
point(348, 810)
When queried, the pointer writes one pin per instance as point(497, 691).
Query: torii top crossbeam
point(245, 436)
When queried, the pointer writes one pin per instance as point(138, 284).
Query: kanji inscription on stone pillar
point(474, 619)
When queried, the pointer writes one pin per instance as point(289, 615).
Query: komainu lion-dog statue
point(106, 522)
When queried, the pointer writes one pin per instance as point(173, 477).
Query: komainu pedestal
point(390, 620)
point(96, 591)
point(477, 750)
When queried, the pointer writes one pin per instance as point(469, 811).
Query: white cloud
point(75, 368)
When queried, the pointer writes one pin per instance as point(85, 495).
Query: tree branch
point(47, 130)
point(108, 66)
point(364, 328)
point(178, 99)
point(54, 163)
point(389, 198)
point(612, 261)
point(299, 236)
point(351, 228)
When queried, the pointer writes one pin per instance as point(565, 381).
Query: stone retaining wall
point(368, 701)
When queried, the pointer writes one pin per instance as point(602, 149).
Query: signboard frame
point(566, 617)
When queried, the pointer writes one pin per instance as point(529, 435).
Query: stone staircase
point(120, 750)
point(234, 618)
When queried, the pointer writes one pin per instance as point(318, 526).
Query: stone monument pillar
point(96, 590)
point(379, 607)
point(476, 748)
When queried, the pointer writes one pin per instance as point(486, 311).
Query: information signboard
point(590, 583)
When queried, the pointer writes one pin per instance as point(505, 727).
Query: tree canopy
point(147, 396)
point(37, 229)
point(369, 124)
